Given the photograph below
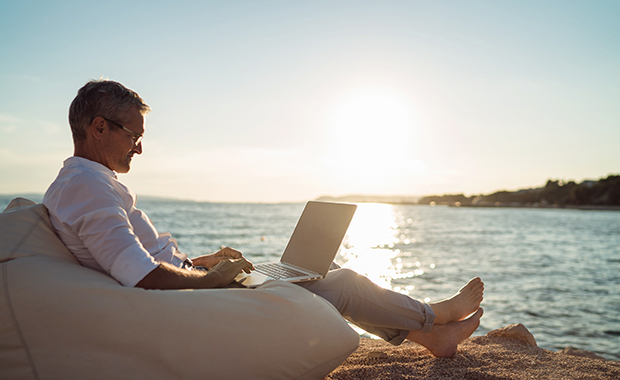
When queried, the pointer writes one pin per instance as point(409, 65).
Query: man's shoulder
point(86, 176)
point(81, 184)
point(79, 179)
point(86, 169)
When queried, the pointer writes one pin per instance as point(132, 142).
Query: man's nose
point(138, 148)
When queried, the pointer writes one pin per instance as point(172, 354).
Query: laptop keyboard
point(277, 271)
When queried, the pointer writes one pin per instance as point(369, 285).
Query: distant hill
point(592, 194)
point(603, 193)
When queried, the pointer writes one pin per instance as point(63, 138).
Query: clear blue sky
point(289, 100)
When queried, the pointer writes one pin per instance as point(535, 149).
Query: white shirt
point(96, 217)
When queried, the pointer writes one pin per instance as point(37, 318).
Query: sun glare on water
point(367, 248)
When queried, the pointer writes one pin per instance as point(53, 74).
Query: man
point(95, 216)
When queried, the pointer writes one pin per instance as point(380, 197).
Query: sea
point(556, 271)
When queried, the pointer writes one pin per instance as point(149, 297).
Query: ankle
point(442, 313)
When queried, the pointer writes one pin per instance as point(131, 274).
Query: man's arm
point(212, 259)
point(167, 276)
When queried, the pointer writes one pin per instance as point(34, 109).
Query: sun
point(372, 134)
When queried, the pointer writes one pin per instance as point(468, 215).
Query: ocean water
point(555, 271)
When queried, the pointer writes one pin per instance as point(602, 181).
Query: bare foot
point(456, 308)
point(442, 340)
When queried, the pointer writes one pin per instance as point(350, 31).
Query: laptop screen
point(318, 235)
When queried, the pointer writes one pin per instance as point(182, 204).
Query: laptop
point(312, 248)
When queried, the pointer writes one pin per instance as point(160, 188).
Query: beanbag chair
point(59, 320)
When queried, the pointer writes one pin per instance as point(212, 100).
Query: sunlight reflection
point(368, 246)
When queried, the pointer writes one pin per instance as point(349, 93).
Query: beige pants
point(379, 311)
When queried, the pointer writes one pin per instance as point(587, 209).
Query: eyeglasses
point(137, 138)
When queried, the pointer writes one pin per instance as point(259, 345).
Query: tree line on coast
point(602, 193)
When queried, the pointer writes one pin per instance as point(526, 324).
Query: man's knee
point(345, 274)
point(350, 279)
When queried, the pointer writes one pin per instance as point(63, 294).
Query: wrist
point(213, 279)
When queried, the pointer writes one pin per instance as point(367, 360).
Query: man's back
point(95, 216)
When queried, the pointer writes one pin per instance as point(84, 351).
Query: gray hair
point(104, 98)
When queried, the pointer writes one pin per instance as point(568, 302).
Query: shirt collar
point(92, 165)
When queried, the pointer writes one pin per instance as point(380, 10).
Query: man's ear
point(97, 128)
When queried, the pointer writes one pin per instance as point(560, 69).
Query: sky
point(278, 101)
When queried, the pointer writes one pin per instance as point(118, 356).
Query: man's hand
point(167, 276)
point(213, 259)
point(224, 265)
point(226, 270)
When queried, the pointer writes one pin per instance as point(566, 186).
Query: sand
point(507, 353)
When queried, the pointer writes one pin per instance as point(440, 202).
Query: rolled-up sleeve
point(109, 237)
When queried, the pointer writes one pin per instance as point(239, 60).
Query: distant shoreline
point(602, 194)
point(567, 207)
point(480, 205)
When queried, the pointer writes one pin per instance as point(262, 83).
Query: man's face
point(120, 148)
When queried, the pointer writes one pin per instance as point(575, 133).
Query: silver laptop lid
point(318, 235)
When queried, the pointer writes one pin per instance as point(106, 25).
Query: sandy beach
point(507, 353)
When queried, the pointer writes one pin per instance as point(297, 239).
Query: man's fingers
point(246, 265)
point(231, 252)
point(229, 268)
point(249, 267)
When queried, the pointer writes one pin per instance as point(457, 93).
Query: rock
point(516, 331)
point(377, 354)
point(583, 353)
